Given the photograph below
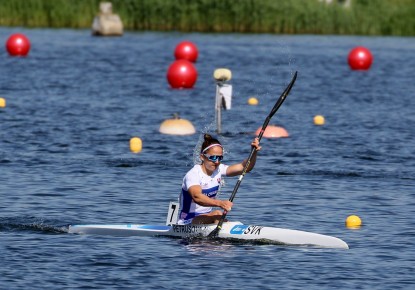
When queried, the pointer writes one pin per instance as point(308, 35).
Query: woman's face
point(213, 153)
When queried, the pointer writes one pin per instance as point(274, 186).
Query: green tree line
point(363, 17)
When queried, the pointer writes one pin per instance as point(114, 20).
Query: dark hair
point(208, 140)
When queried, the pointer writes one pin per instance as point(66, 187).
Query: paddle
point(277, 105)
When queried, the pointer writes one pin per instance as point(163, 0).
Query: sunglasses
point(214, 158)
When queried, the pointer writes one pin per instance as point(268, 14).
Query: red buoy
point(360, 58)
point(182, 74)
point(18, 45)
point(186, 50)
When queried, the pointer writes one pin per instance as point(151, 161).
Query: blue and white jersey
point(210, 186)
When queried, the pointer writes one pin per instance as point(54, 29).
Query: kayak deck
point(230, 230)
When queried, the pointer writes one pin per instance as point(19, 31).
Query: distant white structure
point(345, 3)
point(223, 94)
point(107, 23)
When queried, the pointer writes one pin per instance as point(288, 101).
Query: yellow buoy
point(2, 102)
point(136, 145)
point(318, 120)
point(177, 126)
point(353, 221)
point(253, 101)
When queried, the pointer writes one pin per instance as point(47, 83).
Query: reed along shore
point(363, 17)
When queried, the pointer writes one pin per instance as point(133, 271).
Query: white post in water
point(223, 94)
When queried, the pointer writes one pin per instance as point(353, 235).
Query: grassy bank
point(364, 17)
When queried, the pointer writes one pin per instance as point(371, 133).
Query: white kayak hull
point(230, 230)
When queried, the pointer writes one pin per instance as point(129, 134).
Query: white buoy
point(222, 75)
point(177, 126)
point(107, 23)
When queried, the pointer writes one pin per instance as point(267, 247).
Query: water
point(75, 102)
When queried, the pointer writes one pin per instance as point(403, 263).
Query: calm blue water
point(74, 103)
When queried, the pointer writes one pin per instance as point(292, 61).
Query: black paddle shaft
point(277, 105)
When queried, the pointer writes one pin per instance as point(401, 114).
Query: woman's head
point(211, 151)
point(208, 143)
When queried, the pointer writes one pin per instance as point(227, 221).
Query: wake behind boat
point(229, 230)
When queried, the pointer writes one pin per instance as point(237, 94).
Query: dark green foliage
point(364, 17)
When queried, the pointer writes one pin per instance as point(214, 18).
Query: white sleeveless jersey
point(210, 187)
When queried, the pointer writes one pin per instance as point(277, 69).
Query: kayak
point(230, 230)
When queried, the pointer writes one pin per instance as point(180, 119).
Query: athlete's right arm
point(198, 197)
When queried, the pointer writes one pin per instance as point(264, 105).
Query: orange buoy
point(182, 74)
point(360, 58)
point(18, 45)
point(273, 131)
point(186, 50)
point(177, 126)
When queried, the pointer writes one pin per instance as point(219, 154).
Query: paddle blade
point(277, 105)
point(283, 96)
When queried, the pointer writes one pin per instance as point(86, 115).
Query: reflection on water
point(215, 247)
